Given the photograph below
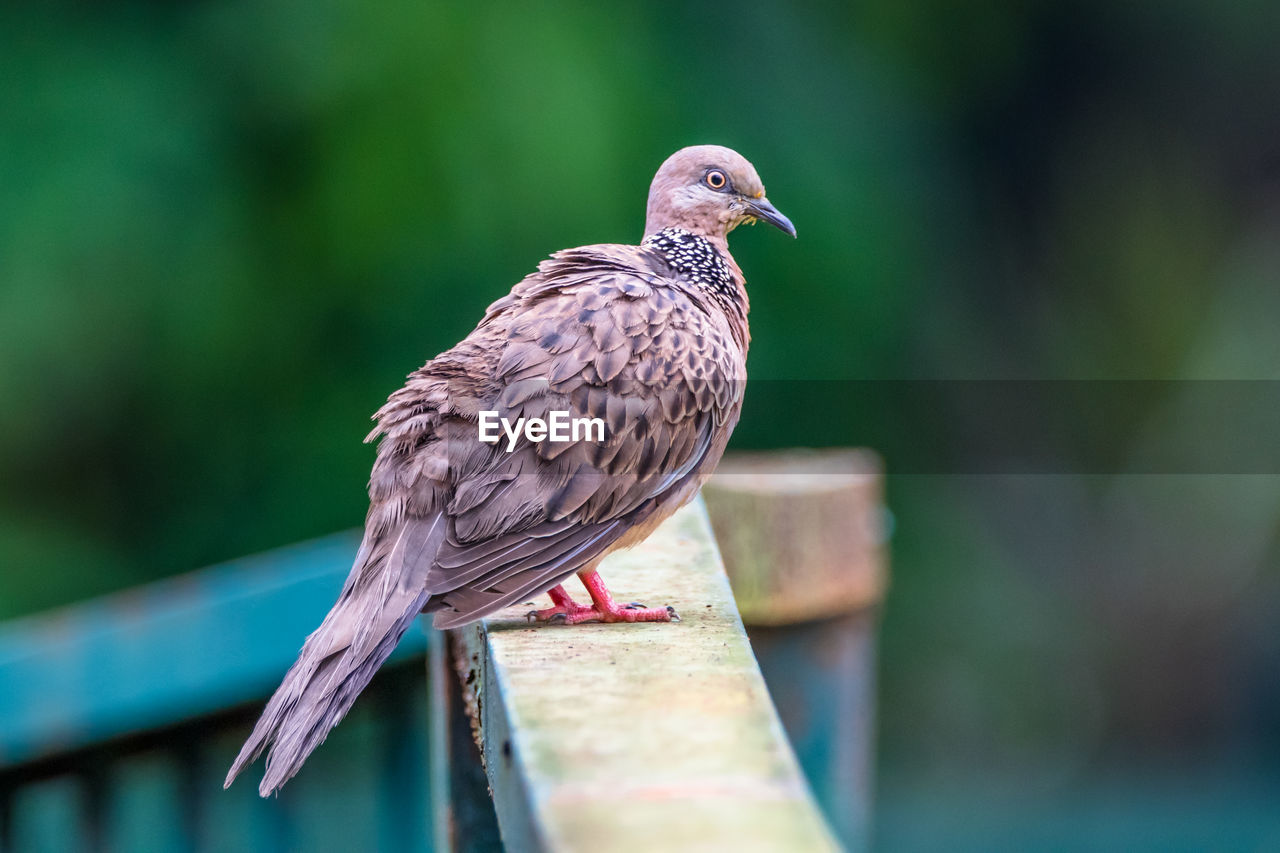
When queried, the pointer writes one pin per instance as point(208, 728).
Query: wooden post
point(803, 535)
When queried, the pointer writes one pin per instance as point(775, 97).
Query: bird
point(650, 339)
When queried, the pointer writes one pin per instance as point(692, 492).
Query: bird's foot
point(563, 614)
point(566, 611)
point(608, 611)
point(563, 607)
point(628, 613)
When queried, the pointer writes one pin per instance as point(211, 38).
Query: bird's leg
point(604, 608)
point(563, 607)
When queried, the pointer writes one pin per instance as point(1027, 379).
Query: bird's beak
point(760, 208)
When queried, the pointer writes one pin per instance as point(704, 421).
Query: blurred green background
point(229, 228)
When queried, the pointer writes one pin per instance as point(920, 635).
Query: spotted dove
point(651, 339)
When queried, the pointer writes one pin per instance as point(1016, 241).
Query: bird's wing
point(600, 333)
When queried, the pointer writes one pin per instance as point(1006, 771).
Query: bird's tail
point(383, 594)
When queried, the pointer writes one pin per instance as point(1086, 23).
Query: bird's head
point(709, 190)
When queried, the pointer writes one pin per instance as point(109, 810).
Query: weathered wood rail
point(804, 535)
point(605, 737)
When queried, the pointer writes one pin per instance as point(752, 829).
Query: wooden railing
point(804, 536)
point(601, 738)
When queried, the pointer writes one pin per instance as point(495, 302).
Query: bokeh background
point(229, 228)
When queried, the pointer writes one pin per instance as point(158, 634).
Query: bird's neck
point(705, 264)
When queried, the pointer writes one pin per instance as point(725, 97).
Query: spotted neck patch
point(695, 260)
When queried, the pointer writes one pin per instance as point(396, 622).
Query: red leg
point(606, 610)
point(602, 609)
point(563, 606)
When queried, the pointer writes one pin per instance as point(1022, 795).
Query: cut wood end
point(798, 471)
point(802, 532)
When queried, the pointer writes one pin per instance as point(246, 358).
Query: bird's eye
point(716, 179)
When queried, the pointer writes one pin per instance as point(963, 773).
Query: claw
point(602, 608)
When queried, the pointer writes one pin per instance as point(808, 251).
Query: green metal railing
point(119, 717)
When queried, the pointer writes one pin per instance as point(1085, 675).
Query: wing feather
point(596, 332)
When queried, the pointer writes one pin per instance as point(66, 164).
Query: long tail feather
point(382, 595)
